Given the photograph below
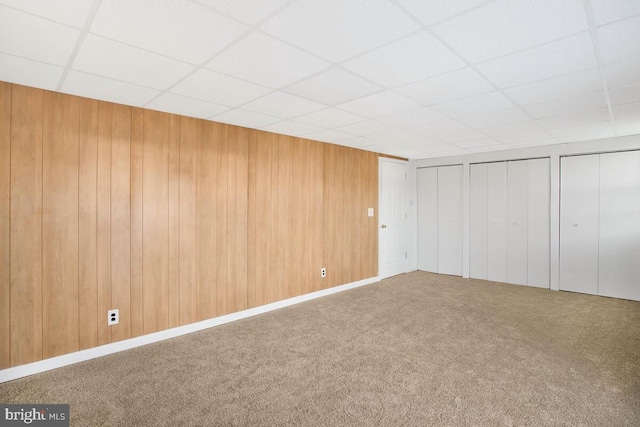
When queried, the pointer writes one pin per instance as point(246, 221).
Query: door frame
point(381, 161)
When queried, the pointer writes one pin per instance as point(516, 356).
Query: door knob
point(384, 226)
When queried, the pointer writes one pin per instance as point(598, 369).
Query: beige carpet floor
point(418, 349)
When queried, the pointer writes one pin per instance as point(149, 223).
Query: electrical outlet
point(323, 272)
point(113, 317)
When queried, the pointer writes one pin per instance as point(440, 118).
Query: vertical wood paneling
point(167, 218)
point(221, 197)
point(240, 213)
point(206, 222)
point(121, 221)
point(232, 219)
point(137, 145)
point(316, 218)
point(284, 217)
point(88, 225)
point(105, 120)
point(301, 266)
point(331, 214)
point(174, 220)
point(252, 149)
point(61, 128)
point(26, 224)
point(155, 222)
point(187, 218)
point(5, 225)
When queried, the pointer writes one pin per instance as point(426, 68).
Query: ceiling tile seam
point(31, 59)
point(44, 18)
point(449, 18)
point(481, 74)
point(79, 41)
point(619, 20)
point(124, 82)
point(429, 30)
point(250, 29)
point(559, 76)
point(596, 49)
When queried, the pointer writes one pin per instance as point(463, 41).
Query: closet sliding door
point(440, 219)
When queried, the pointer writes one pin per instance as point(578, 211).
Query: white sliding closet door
point(428, 219)
point(538, 224)
point(509, 222)
point(579, 204)
point(478, 221)
point(450, 220)
point(497, 215)
point(517, 216)
point(619, 225)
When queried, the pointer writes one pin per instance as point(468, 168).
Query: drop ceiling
point(412, 78)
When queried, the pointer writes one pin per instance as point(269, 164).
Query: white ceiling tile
point(507, 26)
point(605, 11)
point(97, 87)
point(574, 104)
point(358, 142)
point(266, 61)
point(413, 118)
point(31, 73)
point(444, 150)
point(409, 153)
point(555, 59)
point(623, 73)
point(556, 88)
point(177, 104)
point(476, 143)
point(328, 135)
point(290, 127)
point(398, 137)
point(629, 113)
point(440, 128)
point(69, 12)
point(467, 135)
point(447, 87)
point(479, 104)
point(338, 30)
point(583, 132)
point(365, 128)
point(248, 11)
point(283, 105)
point(525, 137)
point(182, 30)
point(244, 118)
point(121, 62)
point(502, 117)
point(405, 61)
point(628, 129)
point(618, 41)
point(35, 38)
point(333, 86)
point(432, 11)
point(218, 88)
point(330, 118)
point(379, 104)
point(586, 118)
point(529, 126)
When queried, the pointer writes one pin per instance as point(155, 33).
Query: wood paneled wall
point(170, 219)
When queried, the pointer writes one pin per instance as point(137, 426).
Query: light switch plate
point(370, 211)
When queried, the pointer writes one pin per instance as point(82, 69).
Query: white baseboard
point(92, 353)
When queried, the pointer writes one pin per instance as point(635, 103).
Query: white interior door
point(497, 228)
point(392, 217)
point(619, 225)
point(478, 221)
point(428, 219)
point(538, 224)
point(450, 220)
point(517, 216)
point(579, 205)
